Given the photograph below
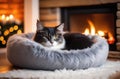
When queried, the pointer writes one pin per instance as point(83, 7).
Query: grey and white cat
point(53, 38)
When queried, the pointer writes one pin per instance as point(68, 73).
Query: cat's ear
point(39, 25)
point(60, 27)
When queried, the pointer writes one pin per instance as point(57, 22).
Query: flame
point(87, 32)
point(111, 39)
point(92, 31)
point(92, 27)
point(101, 33)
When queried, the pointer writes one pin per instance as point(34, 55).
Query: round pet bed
point(23, 52)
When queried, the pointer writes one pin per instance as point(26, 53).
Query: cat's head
point(49, 36)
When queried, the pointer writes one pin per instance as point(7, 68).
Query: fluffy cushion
point(23, 52)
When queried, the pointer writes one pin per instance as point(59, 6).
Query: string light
point(3, 17)
point(8, 27)
point(11, 16)
point(7, 18)
point(6, 32)
point(11, 29)
point(3, 42)
point(19, 32)
point(1, 38)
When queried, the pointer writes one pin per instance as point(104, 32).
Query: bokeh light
point(16, 27)
point(19, 31)
point(1, 38)
point(6, 32)
point(11, 29)
point(3, 42)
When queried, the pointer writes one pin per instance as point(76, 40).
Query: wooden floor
point(5, 65)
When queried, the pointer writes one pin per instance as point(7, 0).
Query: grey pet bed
point(23, 52)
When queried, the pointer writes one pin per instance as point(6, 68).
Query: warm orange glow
point(3, 42)
point(6, 32)
point(16, 27)
point(87, 31)
point(11, 29)
point(3, 17)
point(4, 69)
point(19, 31)
point(11, 17)
point(103, 34)
point(111, 40)
point(1, 38)
point(14, 7)
point(7, 18)
point(92, 27)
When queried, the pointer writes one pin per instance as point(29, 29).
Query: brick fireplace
point(50, 13)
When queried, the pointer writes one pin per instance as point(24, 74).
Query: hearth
point(95, 20)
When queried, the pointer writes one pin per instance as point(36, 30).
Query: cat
point(50, 37)
point(77, 41)
point(56, 38)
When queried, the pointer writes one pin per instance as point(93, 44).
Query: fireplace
point(95, 20)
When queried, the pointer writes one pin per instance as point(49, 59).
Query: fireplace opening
point(94, 20)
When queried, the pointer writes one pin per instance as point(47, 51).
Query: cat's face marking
point(49, 36)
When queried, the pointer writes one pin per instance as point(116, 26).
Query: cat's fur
point(53, 38)
point(77, 41)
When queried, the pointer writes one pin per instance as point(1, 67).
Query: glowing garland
point(7, 29)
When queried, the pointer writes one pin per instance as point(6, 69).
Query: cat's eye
point(57, 37)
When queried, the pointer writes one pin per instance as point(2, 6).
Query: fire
point(92, 31)
point(87, 32)
point(92, 27)
point(101, 33)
